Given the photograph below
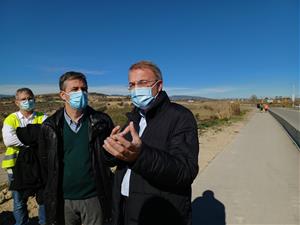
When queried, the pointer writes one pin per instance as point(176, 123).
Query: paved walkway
point(255, 180)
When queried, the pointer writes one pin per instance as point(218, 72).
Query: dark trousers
point(86, 212)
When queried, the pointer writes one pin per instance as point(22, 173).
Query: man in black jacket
point(156, 154)
point(77, 183)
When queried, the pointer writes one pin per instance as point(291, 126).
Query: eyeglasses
point(140, 83)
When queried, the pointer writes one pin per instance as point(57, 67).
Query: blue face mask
point(78, 99)
point(27, 105)
point(142, 97)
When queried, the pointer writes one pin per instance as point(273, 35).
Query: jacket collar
point(56, 121)
point(58, 117)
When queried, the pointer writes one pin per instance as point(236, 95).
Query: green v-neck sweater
point(78, 182)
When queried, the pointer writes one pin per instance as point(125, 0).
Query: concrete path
point(255, 180)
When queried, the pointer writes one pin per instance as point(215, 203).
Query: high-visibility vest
point(11, 153)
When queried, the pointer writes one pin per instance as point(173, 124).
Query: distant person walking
point(258, 106)
point(156, 155)
point(266, 107)
point(261, 106)
point(78, 184)
point(25, 101)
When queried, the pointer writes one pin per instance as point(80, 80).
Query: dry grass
point(213, 109)
point(215, 113)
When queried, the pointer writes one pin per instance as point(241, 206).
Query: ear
point(17, 103)
point(63, 95)
point(160, 86)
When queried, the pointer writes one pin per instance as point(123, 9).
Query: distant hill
point(97, 94)
point(187, 97)
point(5, 96)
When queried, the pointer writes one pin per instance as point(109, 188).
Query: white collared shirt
point(9, 133)
point(126, 178)
point(75, 127)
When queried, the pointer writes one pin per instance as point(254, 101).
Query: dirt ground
point(212, 142)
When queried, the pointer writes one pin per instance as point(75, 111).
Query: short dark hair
point(71, 75)
point(26, 90)
point(147, 65)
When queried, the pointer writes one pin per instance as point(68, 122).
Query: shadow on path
point(208, 210)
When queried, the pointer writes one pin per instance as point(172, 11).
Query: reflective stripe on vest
point(11, 153)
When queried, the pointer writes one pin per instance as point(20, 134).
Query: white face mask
point(78, 99)
point(27, 105)
point(142, 97)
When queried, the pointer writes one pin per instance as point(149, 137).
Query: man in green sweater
point(77, 182)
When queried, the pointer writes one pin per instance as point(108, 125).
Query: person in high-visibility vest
point(25, 101)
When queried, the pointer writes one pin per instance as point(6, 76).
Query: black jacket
point(27, 177)
point(161, 177)
point(51, 154)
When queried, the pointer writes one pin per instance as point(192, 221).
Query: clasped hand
point(119, 147)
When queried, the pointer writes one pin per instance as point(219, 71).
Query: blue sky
point(209, 48)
